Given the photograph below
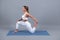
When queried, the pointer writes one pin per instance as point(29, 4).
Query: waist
point(22, 20)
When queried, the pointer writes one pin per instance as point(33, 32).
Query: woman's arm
point(34, 19)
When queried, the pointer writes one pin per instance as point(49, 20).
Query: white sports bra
point(24, 17)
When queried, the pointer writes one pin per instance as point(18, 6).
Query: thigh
point(21, 22)
point(28, 25)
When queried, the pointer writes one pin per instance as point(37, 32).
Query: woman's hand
point(36, 21)
point(35, 24)
point(19, 19)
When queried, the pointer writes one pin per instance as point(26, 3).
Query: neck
point(25, 12)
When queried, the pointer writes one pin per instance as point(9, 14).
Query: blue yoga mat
point(25, 32)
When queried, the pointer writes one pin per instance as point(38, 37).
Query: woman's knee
point(31, 31)
point(17, 22)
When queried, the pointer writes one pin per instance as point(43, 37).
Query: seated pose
point(24, 20)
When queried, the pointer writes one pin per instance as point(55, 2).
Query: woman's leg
point(30, 28)
point(17, 25)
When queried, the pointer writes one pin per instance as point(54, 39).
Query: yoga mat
point(27, 33)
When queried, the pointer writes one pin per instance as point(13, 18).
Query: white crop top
point(24, 17)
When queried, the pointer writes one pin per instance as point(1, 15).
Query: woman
point(24, 20)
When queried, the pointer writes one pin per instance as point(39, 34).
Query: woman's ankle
point(16, 30)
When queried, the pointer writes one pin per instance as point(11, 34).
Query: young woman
point(24, 20)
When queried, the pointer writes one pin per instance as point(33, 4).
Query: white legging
point(27, 24)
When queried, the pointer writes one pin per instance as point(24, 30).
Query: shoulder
point(27, 14)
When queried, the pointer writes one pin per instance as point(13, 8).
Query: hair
point(27, 8)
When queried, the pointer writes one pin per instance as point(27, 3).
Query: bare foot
point(16, 31)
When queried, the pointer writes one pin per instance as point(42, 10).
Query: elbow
point(37, 22)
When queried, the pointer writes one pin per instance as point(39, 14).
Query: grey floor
point(53, 30)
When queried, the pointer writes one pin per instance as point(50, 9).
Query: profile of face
point(23, 9)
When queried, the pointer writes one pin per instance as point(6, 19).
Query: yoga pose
point(24, 20)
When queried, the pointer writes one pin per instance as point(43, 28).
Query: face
point(23, 9)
